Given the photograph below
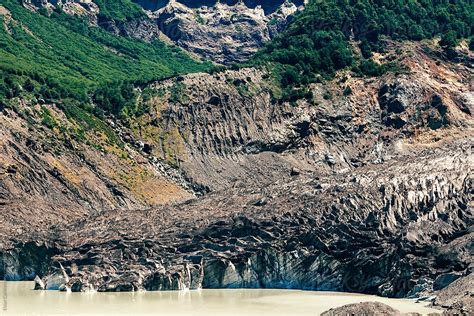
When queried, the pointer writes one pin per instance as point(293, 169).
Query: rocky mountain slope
point(365, 192)
point(355, 177)
point(224, 32)
point(229, 129)
point(269, 6)
point(387, 233)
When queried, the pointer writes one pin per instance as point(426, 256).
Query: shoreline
point(270, 301)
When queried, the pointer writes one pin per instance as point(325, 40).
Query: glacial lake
point(18, 298)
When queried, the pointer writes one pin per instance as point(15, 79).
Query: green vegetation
point(51, 57)
point(273, 21)
point(115, 98)
point(47, 119)
point(59, 57)
point(87, 122)
point(369, 68)
point(347, 91)
point(199, 18)
point(118, 10)
point(317, 43)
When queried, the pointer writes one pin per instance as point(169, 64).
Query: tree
point(29, 86)
point(448, 40)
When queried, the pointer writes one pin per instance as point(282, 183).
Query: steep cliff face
point(223, 33)
point(269, 6)
point(390, 233)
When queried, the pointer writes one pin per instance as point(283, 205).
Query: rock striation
point(389, 233)
point(229, 131)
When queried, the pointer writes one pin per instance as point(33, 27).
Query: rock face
point(363, 231)
point(73, 7)
point(222, 33)
point(269, 6)
point(142, 28)
point(228, 130)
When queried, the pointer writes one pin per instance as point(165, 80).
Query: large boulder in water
point(362, 309)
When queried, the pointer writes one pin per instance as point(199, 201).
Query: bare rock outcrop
point(362, 309)
point(222, 33)
point(388, 233)
point(458, 296)
point(226, 129)
point(72, 7)
point(269, 6)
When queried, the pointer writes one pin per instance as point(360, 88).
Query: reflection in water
point(4, 297)
point(19, 299)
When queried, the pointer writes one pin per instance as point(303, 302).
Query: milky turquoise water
point(18, 298)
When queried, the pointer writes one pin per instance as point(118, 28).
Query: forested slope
point(55, 56)
point(322, 39)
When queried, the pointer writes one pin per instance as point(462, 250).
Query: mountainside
point(72, 59)
point(364, 231)
point(60, 154)
point(332, 159)
point(224, 32)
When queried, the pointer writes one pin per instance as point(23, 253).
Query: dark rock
point(350, 236)
point(214, 100)
point(12, 169)
point(148, 148)
point(39, 284)
point(444, 280)
point(330, 160)
point(295, 172)
point(261, 202)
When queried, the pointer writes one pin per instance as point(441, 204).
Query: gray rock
point(222, 33)
point(39, 284)
point(362, 309)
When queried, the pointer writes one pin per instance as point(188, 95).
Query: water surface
point(18, 298)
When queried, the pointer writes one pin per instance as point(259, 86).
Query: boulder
point(443, 280)
point(362, 309)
